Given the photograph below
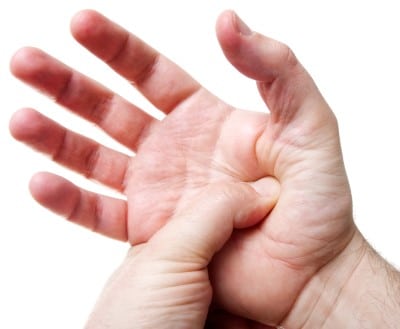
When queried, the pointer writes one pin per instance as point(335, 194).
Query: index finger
point(161, 81)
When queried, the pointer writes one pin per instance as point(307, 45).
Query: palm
point(200, 141)
point(203, 147)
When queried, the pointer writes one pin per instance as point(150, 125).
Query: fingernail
point(241, 27)
point(267, 187)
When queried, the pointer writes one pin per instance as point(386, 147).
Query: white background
point(52, 271)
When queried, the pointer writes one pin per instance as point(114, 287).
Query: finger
point(197, 232)
point(99, 213)
point(72, 150)
point(284, 84)
point(165, 84)
point(116, 116)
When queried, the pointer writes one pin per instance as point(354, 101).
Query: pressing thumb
point(200, 229)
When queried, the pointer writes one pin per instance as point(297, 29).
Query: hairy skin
point(261, 271)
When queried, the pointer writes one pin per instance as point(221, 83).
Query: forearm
point(359, 289)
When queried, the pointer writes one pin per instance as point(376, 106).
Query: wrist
point(357, 289)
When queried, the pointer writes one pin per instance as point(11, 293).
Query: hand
point(262, 271)
point(164, 283)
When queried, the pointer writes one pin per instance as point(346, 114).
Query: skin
point(164, 283)
point(202, 140)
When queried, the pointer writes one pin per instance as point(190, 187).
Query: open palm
point(201, 140)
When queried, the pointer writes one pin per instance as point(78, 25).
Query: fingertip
point(268, 188)
point(20, 56)
point(256, 56)
point(22, 124)
point(43, 186)
point(238, 203)
point(224, 20)
point(260, 198)
point(226, 29)
point(36, 68)
point(84, 24)
point(53, 192)
point(97, 33)
point(36, 184)
point(25, 61)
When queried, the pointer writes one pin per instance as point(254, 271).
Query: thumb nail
point(267, 187)
point(240, 26)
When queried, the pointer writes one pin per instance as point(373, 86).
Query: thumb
point(199, 230)
point(285, 86)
